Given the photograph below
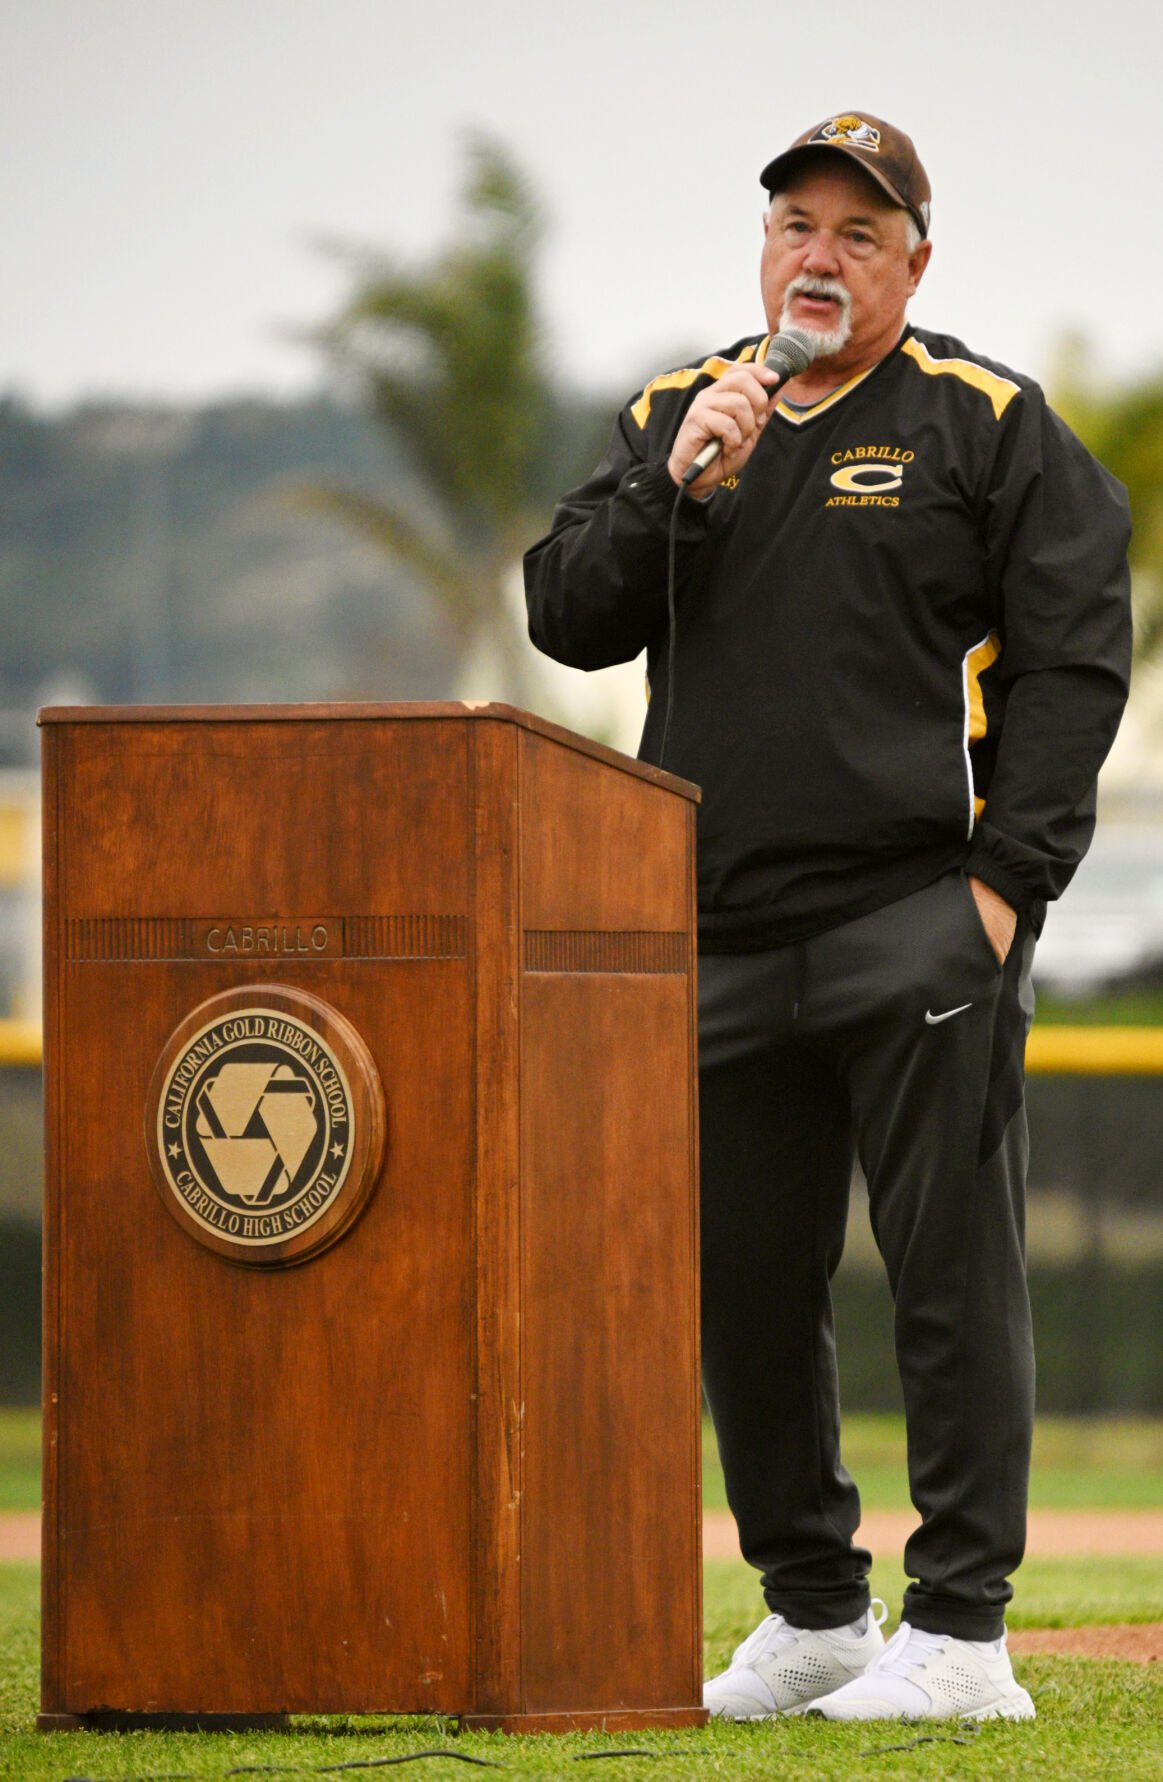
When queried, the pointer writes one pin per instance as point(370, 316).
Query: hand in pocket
point(998, 918)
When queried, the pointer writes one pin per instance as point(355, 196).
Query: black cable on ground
point(357, 1763)
point(377, 1763)
point(965, 1737)
point(313, 1769)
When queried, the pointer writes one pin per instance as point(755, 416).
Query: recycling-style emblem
point(257, 1122)
point(253, 1127)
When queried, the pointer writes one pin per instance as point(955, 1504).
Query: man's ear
point(918, 260)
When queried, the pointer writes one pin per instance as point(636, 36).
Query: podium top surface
point(411, 711)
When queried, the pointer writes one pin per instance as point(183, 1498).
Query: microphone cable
point(671, 627)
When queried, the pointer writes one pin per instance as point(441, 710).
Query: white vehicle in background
point(1109, 925)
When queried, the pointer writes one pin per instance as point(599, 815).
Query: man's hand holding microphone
point(723, 424)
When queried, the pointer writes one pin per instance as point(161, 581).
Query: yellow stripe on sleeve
point(973, 666)
point(976, 663)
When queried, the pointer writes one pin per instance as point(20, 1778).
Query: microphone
point(790, 352)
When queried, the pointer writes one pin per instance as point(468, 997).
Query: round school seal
point(265, 1125)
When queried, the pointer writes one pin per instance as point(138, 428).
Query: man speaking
point(893, 652)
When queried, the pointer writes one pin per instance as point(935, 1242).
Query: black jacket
point(903, 635)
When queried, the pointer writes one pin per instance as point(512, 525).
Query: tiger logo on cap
point(848, 129)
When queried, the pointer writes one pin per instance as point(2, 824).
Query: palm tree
point(1123, 427)
point(451, 358)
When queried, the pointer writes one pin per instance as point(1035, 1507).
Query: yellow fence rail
point(1096, 1051)
point(20, 1044)
point(1052, 1051)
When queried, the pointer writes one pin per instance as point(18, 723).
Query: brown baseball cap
point(886, 154)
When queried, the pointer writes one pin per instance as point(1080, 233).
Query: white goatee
point(829, 340)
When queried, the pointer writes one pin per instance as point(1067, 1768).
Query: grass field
point(19, 1460)
point(1095, 1719)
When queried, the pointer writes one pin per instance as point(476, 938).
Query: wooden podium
point(371, 1354)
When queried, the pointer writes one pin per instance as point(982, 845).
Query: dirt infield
point(1054, 1534)
point(1142, 1644)
point(20, 1534)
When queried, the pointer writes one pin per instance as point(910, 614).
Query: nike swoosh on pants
point(933, 1020)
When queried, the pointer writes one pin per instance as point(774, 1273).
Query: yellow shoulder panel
point(1000, 390)
point(682, 380)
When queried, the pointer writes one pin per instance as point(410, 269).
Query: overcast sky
point(167, 165)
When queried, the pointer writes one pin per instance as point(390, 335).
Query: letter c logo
point(867, 479)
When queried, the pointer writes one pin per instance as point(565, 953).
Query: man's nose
point(822, 254)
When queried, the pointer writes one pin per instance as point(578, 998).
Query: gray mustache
point(809, 286)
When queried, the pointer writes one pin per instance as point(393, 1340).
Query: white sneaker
point(780, 1668)
point(922, 1675)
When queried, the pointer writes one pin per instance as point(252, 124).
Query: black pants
point(898, 1038)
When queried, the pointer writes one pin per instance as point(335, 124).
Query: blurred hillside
point(166, 555)
point(176, 556)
